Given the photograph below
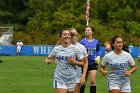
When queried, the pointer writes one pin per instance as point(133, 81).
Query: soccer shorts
point(18, 49)
point(79, 74)
point(70, 86)
point(122, 85)
point(92, 67)
point(78, 80)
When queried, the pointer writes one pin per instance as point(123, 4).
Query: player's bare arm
point(103, 71)
point(83, 77)
point(79, 63)
point(133, 69)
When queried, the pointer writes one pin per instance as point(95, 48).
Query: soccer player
point(19, 45)
point(107, 47)
point(92, 46)
point(118, 62)
point(66, 56)
point(139, 60)
point(80, 76)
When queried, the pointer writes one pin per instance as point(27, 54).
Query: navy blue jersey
point(93, 49)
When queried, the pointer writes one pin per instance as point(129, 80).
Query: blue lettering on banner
point(36, 50)
point(44, 50)
point(41, 50)
point(29, 50)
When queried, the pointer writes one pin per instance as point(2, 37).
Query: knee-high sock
point(92, 89)
point(82, 89)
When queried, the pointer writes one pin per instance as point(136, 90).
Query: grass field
point(31, 75)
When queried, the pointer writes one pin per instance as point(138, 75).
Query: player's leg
point(82, 88)
point(114, 91)
point(139, 60)
point(17, 51)
point(78, 83)
point(60, 90)
point(77, 88)
point(92, 74)
point(70, 92)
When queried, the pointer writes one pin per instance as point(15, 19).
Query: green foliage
point(134, 32)
point(19, 35)
point(38, 19)
point(5, 14)
point(138, 15)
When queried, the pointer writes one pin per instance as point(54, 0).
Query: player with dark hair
point(67, 57)
point(92, 46)
point(118, 62)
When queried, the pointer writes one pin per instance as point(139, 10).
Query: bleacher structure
point(6, 35)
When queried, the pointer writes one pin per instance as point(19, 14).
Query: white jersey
point(64, 69)
point(118, 64)
point(19, 44)
point(84, 52)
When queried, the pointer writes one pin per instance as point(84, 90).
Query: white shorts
point(18, 49)
point(122, 85)
point(70, 86)
point(78, 80)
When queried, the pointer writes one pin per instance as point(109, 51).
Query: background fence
point(44, 50)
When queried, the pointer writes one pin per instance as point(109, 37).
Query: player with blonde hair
point(80, 75)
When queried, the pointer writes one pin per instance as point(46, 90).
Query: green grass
point(31, 75)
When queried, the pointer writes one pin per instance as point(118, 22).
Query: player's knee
point(92, 82)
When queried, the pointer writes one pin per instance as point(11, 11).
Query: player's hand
point(104, 73)
point(82, 80)
point(48, 61)
point(71, 59)
point(127, 73)
point(97, 60)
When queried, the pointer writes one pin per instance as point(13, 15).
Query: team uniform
point(19, 45)
point(118, 65)
point(93, 50)
point(65, 72)
point(79, 69)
